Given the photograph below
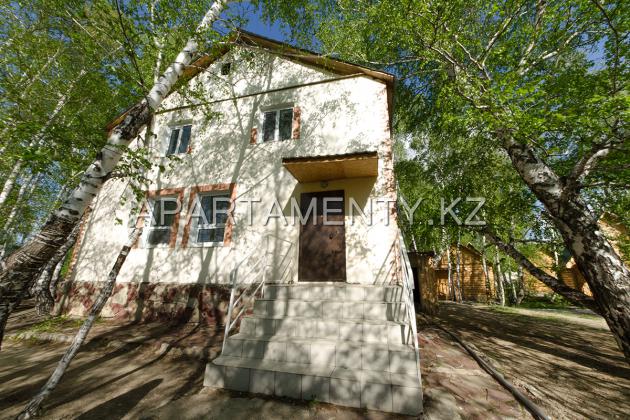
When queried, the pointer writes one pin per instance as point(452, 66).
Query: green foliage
point(553, 75)
point(545, 302)
point(67, 69)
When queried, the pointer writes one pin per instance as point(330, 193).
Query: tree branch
point(572, 295)
point(582, 169)
point(497, 35)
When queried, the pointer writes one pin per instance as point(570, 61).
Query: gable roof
point(299, 55)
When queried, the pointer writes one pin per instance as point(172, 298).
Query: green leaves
point(549, 74)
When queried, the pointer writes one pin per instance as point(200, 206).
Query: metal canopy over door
point(322, 246)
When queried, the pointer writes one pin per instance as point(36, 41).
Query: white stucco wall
point(343, 116)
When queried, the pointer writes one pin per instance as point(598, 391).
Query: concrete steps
point(338, 343)
point(368, 331)
point(330, 309)
point(322, 352)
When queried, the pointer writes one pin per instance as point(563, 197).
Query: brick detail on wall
point(179, 192)
point(172, 302)
point(295, 128)
point(231, 187)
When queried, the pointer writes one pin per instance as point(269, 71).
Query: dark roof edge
point(355, 155)
point(293, 53)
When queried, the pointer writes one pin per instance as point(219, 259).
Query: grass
point(55, 324)
point(550, 315)
point(545, 302)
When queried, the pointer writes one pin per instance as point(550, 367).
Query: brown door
point(322, 239)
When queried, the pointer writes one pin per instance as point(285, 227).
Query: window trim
point(276, 132)
point(195, 226)
point(204, 190)
point(180, 127)
point(146, 215)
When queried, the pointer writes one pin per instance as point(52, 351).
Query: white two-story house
point(278, 184)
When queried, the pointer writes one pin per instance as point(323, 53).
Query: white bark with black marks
point(458, 269)
point(574, 296)
point(484, 266)
point(10, 182)
point(26, 190)
point(54, 281)
point(32, 409)
point(604, 270)
point(38, 139)
point(521, 285)
point(44, 297)
point(510, 281)
point(451, 289)
point(497, 277)
point(23, 265)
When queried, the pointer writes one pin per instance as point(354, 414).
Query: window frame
point(195, 225)
point(148, 226)
point(276, 132)
point(179, 127)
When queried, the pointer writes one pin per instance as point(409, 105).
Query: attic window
point(277, 124)
point(225, 69)
point(179, 141)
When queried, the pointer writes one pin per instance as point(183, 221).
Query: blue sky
point(256, 23)
point(260, 26)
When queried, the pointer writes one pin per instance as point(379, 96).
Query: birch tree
point(46, 286)
point(25, 263)
point(498, 277)
point(542, 83)
point(33, 407)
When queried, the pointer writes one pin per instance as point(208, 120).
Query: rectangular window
point(179, 141)
point(277, 124)
point(162, 218)
point(210, 217)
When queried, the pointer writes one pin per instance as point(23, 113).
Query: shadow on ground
point(572, 368)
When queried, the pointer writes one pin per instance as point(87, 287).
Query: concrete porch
point(344, 344)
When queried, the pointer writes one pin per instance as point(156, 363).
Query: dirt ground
point(566, 361)
point(145, 371)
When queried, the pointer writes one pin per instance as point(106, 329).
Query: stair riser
point(347, 293)
point(342, 355)
point(330, 310)
point(345, 392)
point(327, 329)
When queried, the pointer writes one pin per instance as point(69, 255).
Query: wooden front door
point(322, 246)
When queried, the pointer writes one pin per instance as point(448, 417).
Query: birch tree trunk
point(26, 89)
point(574, 296)
point(484, 266)
point(556, 267)
point(54, 281)
point(459, 272)
point(510, 281)
point(451, 289)
point(38, 138)
point(521, 285)
point(26, 190)
point(10, 182)
point(23, 265)
point(604, 271)
point(497, 277)
point(42, 291)
point(32, 409)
